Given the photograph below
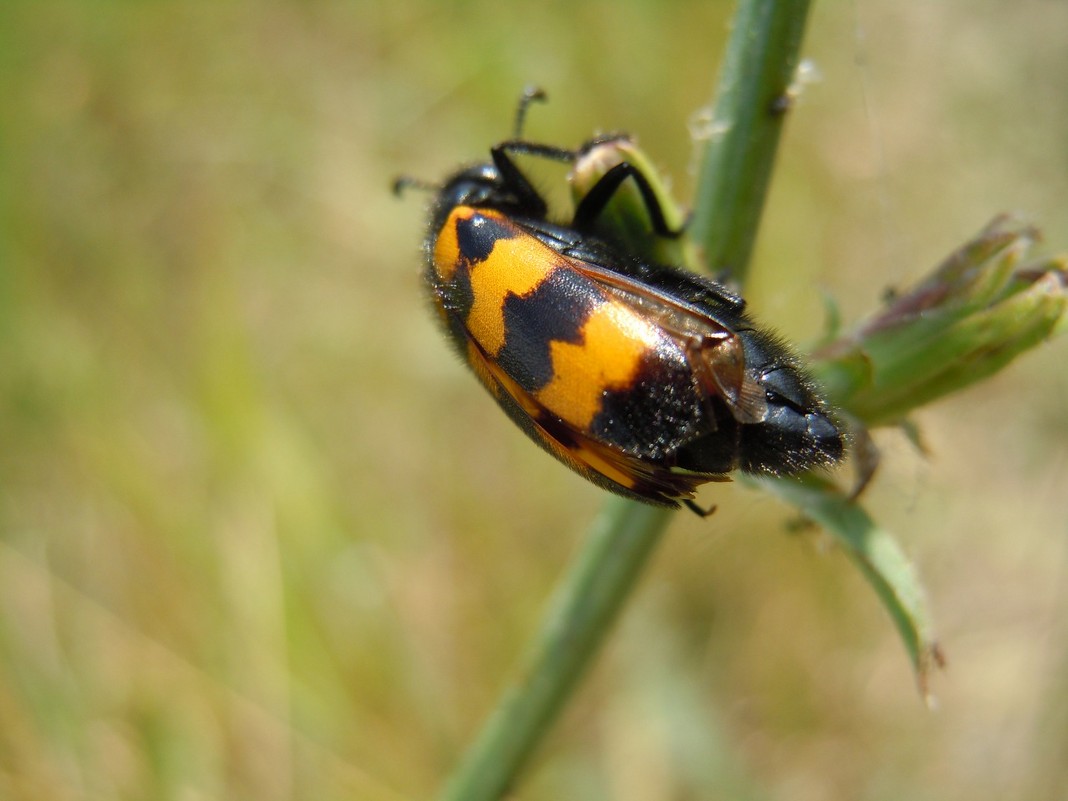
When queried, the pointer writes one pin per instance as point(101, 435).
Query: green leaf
point(973, 315)
point(879, 557)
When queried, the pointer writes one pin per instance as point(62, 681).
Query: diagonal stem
point(588, 599)
point(752, 101)
point(761, 58)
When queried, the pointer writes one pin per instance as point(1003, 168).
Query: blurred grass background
point(262, 536)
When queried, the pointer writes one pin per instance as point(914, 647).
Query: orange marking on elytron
point(515, 267)
point(579, 457)
point(483, 370)
point(447, 248)
point(614, 340)
point(604, 467)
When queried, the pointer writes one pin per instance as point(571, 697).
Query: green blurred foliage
point(261, 536)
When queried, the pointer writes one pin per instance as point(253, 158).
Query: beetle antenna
point(406, 181)
point(530, 94)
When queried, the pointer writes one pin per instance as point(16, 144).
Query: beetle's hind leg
point(697, 510)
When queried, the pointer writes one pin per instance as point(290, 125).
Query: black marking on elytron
point(477, 235)
point(458, 335)
point(554, 311)
point(456, 295)
point(657, 412)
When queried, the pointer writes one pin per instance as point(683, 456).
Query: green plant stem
point(752, 99)
point(761, 59)
point(587, 601)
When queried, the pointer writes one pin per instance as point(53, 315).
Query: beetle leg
point(597, 199)
point(697, 510)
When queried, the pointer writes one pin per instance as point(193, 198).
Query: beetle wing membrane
point(721, 363)
point(715, 352)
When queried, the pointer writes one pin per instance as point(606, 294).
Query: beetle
point(647, 379)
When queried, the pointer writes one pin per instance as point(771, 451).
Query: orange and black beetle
point(646, 379)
